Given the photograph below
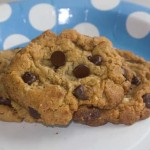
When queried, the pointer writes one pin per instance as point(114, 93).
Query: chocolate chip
point(58, 58)
point(146, 99)
point(96, 59)
point(4, 101)
point(91, 114)
point(34, 113)
point(81, 71)
point(80, 93)
point(136, 80)
point(29, 78)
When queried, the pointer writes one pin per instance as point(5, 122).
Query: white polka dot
point(42, 16)
point(105, 4)
point(87, 29)
point(138, 24)
point(14, 40)
point(5, 12)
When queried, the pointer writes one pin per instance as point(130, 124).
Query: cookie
point(54, 75)
point(9, 110)
point(7, 113)
point(135, 104)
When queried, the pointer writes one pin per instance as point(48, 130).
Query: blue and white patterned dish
point(126, 25)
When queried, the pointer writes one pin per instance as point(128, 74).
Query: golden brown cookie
point(9, 110)
point(54, 75)
point(7, 113)
point(135, 104)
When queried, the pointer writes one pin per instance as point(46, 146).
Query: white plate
point(24, 136)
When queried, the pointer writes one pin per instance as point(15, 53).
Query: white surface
point(105, 4)
point(138, 24)
point(23, 136)
point(42, 16)
point(14, 40)
point(5, 12)
point(87, 29)
point(145, 3)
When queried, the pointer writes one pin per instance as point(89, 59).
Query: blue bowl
point(127, 25)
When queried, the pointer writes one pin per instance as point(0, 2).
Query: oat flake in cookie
point(136, 102)
point(47, 77)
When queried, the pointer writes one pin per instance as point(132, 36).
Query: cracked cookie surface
point(136, 102)
point(54, 75)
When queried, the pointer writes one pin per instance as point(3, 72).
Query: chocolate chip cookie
point(54, 75)
point(9, 110)
point(7, 113)
point(136, 102)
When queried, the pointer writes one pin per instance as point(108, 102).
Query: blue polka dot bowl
point(127, 25)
